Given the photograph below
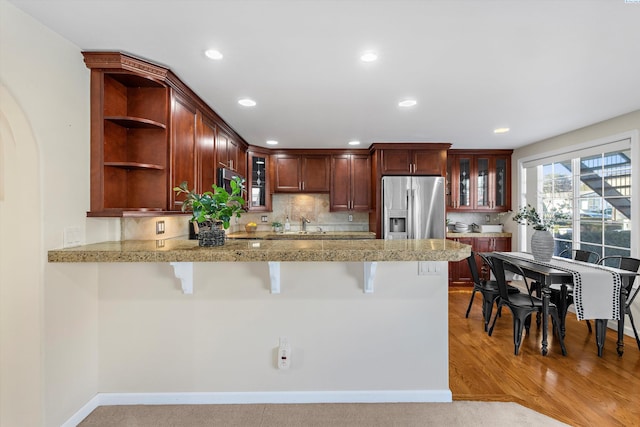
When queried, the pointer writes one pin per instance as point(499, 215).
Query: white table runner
point(596, 290)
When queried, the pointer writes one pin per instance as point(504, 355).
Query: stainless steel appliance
point(413, 207)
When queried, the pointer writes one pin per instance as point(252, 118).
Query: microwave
point(225, 176)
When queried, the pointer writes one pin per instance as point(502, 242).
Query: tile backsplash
point(314, 207)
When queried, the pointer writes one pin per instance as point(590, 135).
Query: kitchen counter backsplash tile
point(182, 250)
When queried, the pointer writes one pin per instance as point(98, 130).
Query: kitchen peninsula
point(219, 343)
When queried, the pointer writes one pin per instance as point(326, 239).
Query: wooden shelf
point(135, 122)
point(134, 165)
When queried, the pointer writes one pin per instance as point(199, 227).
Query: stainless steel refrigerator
point(413, 207)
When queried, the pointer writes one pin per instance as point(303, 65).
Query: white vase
point(542, 245)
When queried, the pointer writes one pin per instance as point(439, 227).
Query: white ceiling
point(541, 68)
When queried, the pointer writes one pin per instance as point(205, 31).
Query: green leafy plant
point(529, 215)
point(214, 206)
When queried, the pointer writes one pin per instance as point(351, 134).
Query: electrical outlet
point(159, 227)
point(284, 354)
point(264, 218)
point(487, 218)
point(350, 218)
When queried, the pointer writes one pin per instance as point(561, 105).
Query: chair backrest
point(581, 255)
point(498, 267)
point(473, 267)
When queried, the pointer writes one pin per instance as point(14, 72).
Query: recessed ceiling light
point(213, 54)
point(246, 102)
point(272, 142)
point(407, 103)
point(354, 142)
point(369, 56)
point(501, 130)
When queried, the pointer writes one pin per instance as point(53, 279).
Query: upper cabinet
point(129, 138)
point(150, 132)
point(350, 182)
point(398, 159)
point(479, 181)
point(295, 172)
point(258, 182)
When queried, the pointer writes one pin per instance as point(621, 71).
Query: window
point(596, 191)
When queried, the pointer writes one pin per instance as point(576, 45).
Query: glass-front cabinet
point(258, 185)
point(478, 181)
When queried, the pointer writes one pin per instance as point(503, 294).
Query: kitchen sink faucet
point(304, 221)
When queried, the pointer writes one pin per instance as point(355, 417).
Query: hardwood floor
point(580, 389)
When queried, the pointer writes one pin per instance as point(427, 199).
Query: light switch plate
point(72, 237)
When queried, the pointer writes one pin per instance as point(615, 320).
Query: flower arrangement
point(528, 215)
point(216, 206)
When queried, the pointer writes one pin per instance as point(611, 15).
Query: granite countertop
point(182, 250)
point(453, 234)
point(296, 235)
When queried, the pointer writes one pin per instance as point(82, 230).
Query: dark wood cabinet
point(150, 132)
point(226, 151)
point(183, 147)
point(129, 139)
point(479, 181)
point(205, 152)
point(258, 181)
point(301, 173)
point(350, 183)
point(430, 161)
point(459, 272)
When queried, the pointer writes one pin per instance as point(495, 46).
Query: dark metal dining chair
point(632, 287)
point(580, 255)
point(488, 289)
point(521, 305)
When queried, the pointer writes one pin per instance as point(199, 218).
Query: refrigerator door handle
point(411, 214)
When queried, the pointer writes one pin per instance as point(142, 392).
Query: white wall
point(222, 338)
point(49, 314)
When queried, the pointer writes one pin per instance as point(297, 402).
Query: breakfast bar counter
point(182, 250)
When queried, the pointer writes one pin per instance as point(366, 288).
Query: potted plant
point(542, 243)
point(212, 210)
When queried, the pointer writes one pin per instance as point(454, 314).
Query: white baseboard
point(382, 396)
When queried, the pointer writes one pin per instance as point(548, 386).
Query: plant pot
point(211, 235)
point(542, 245)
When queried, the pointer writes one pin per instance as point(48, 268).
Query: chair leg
point(589, 326)
point(493, 324)
point(473, 294)
point(517, 334)
point(556, 321)
point(633, 326)
point(487, 310)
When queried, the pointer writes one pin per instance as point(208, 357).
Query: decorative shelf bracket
point(369, 276)
point(274, 275)
point(184, 272)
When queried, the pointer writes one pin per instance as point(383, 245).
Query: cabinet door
point(258, 195)
point(396, 162)
point(232, 154)
point(315, 173)
point(205, 136)
point(459, 272)
point(183, 123)
point(429, 162)
point(463, 183)
point(341, 175)
point(481, 173)
point(286, 173)
point(222, 156)
point(360, 183)
point(501, 183)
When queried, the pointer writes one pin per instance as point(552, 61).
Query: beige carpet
point(339, 414)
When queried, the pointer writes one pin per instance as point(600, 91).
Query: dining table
point(565, 271)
